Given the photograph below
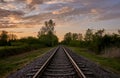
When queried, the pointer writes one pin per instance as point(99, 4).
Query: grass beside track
point(13, 63)
point(112, 64)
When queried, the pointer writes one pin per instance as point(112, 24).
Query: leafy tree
point(96, 43)
point(73, 39)
point(67, 38)
point(74, 36)
point(80, 37)
point(119, 31)
point(88, 35)
point(12, 37)
point(3, 38)
point(48, 28)
point(47, 34)
point(99, 33)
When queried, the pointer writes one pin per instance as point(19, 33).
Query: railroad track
point(60, 64)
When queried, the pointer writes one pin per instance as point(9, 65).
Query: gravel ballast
point(96, 69)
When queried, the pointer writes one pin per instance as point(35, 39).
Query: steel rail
point(79, 72)
point(39, 72)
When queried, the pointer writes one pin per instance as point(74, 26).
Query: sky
point(26, 17)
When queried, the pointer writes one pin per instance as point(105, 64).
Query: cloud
point(2, 1)
point(32, 3)
point(9, 18)
point(15, 32)
point(29, 1)
point(6, 26)
point(58, 1)
point(94, 11)
point(7, 6)
point(109, 16)
point(13, 19)
point(63, 10)
point(29, 12)
point(7, 0)
point(4, 13)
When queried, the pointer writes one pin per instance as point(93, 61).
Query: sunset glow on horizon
point(26, 17)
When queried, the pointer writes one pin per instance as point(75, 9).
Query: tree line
point(94, 41)
point(6, 38)
point(10, 45)
point(46, 37)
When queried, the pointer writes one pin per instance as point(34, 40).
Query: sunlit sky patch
point(27, 16)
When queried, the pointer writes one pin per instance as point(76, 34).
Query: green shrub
point(14, 50)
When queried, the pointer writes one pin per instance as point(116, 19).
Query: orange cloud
point(58, 1)
point(14, 19)
point(29, 1)
point(8, 7)
point(95, 11)
point(63, 10)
